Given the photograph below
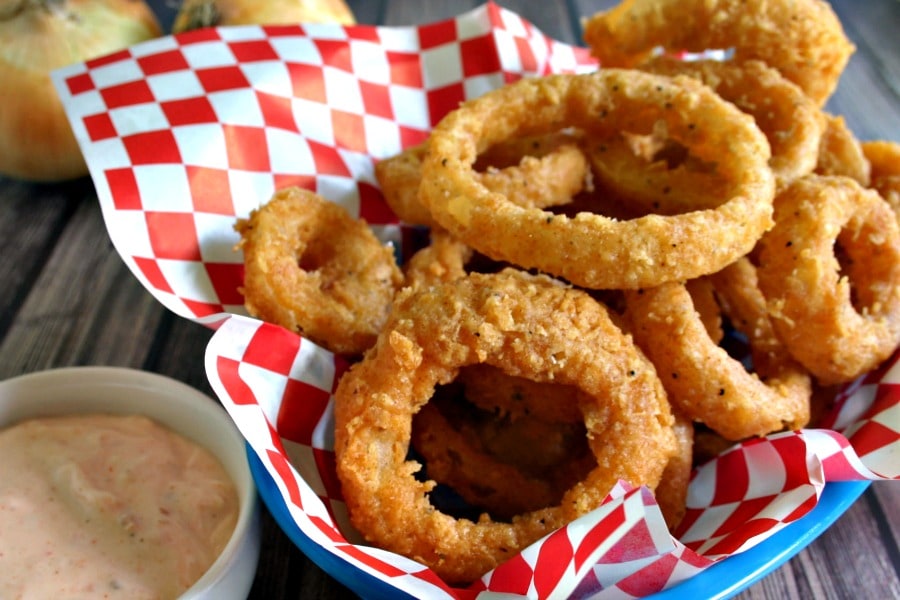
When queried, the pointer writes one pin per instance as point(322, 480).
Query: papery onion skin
point(195, 14)
point(36, 140)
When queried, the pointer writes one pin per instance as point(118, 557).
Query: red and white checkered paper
point(184, 134)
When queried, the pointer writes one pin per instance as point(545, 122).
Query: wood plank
point(84, 308)
point(417, 13)
point(31, 219)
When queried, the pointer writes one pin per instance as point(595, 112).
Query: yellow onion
point(36, 37)
point(194, 14)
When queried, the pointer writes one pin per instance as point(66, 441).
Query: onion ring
point(591, 250)
point(703, 296)
point(553, 172)
point(703, 381)
point(837, 325)
point(802, 39)
point(312, 268)
point(529, 326)
point(791, 122)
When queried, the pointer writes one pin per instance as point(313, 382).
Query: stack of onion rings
point(668, 206)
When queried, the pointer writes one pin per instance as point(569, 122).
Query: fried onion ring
point(703, 295)
point(312, 268)
point(791, 122)
point(802, 39)
point(519, 398)
point(839, 318)
point(591, 250)
point(550, 175)
point(532, 426)
point(702, 379)
point(529, 326)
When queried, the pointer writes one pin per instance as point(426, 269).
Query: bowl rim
point(40, 390)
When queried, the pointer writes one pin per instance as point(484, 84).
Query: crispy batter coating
point(803, 39)
point(538, 171)
point(529, 326)
point(841, 153)
point(830, 272)
point(312, 268)
point(442, 260)
point(671, 493)
point(791, 122)
point(589, 249)
point(703, 381)
point(491, 389)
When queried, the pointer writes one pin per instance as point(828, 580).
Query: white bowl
point(179, 407)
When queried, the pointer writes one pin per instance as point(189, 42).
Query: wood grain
point(69, 300)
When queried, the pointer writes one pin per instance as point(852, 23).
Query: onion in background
point(194, 14)
point(36, 37)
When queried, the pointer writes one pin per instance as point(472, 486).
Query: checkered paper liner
point(278, 388)
point(184, 134)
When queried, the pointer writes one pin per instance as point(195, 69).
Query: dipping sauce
point(104, 506)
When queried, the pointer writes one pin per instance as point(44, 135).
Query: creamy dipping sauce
point(103, 506)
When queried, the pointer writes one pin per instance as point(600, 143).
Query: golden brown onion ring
point(591, 250)
point(703, 381)
point(502, 465)
point(671, 493)
point(550, 174)
point(649, 184)
point(491, 389)
point(802, 39)
point(442, 260)
point(519, 399)
point(840, 153)
point(839, 318)
point(312, 268)
point(791, 122)
point(529, 326)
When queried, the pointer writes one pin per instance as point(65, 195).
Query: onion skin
point(37, 37)
point(195, 14)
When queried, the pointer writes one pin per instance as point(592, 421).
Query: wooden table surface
point(70, 300)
